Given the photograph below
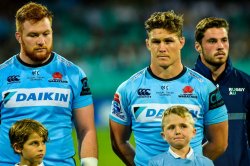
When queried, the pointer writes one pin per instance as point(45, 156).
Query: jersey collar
point(191, 151)
point(37, 65)
point(174, 78)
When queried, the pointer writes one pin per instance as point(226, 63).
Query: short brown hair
point(177, 110)
point(21, 130)
point(31, 11)
point(166, 20)
point(206, 23)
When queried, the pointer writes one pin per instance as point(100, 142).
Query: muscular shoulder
point(134, 80)
point(9, 71)
point(198, 79)
point(65, 62)
point(69, 67)
point(5, 65)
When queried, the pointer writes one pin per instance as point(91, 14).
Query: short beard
point(211, 62)
point(38, 58)
point(34, 57)
point(215, 63)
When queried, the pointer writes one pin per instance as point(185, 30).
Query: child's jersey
point(170, 158)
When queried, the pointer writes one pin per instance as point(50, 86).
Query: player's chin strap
point(89, 161)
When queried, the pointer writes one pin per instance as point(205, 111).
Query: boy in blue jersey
point(178, 129)
point(212, 43)
point(28, 138)
point(140, 101)
point(42, 85)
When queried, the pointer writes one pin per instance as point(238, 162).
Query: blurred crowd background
point(106, 38)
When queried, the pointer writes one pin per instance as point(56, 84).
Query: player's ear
point(163, 135)
point(147, 44)
point(198, 47)
point(194, 132)
point(182, 41)
point(18, 37)
point(17, 148)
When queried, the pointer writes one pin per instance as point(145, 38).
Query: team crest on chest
point(57, 77)
point(188, 92)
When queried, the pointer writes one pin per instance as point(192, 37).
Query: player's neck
point(166, 72)
point(29, 61)
point(216, 71)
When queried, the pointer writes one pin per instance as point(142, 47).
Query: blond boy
point(178, 130)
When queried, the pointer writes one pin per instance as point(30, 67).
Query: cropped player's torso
point(141, 100)
point(46, 93)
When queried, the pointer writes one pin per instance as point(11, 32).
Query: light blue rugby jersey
point(45, 93)
point(141, 100)
point(169, 158)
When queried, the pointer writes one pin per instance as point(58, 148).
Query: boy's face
point(178, 131)
point(33, 150)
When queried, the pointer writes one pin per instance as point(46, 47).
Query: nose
point(220, 45)
point(177, 130)
point(41, 147)
point(162, 47)
point(40, 40)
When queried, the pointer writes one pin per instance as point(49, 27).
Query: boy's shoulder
point(203, 160)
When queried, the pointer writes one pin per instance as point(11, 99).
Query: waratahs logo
point(57, 77)
point(188, 92)
point(187, 89)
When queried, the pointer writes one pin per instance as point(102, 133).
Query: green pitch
point(106, 155)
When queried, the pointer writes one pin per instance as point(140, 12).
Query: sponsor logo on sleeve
point(85, 87)
point(215, 99)
point(116, 109)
